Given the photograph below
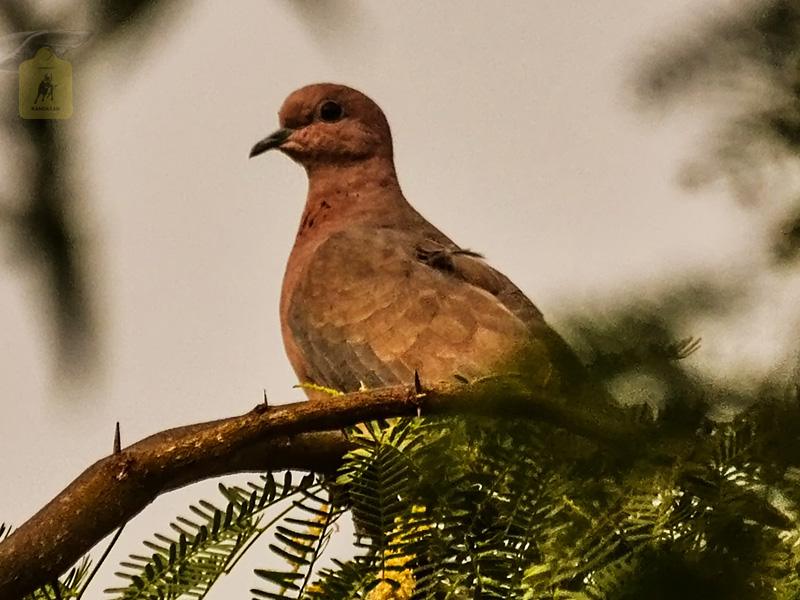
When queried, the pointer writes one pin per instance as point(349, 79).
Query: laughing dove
point(373, 292)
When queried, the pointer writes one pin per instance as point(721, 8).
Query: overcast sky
point(515, 132)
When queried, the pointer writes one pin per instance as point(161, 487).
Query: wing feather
point(374, 305)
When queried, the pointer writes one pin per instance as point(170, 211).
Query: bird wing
point(374, 305)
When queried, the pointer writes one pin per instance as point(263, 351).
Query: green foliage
point(207, 546)
point(487, 509)
point(743, 63)
point(67, 587)
point(302, 537)
point(391, 521)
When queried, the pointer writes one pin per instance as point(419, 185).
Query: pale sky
point(515, 133)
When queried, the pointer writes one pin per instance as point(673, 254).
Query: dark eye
point(330, 111)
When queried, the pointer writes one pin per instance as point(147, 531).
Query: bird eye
point(330, 111)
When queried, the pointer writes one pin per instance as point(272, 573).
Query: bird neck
point(353, 193)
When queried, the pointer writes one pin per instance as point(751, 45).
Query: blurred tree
point(746, 65)
point(41, 214)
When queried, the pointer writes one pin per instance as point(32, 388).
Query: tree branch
point(303, 436)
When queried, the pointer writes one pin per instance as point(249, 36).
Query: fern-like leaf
point(66, 587)
point(207, 545)
point(301, 541)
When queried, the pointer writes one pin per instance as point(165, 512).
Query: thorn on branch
point(418, 391)
point(117, 443)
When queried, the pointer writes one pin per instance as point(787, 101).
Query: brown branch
point(304, 436)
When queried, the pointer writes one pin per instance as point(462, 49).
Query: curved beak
point(274, 140)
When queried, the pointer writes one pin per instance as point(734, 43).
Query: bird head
point(325, 123)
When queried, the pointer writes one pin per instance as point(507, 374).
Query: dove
point(374, 294)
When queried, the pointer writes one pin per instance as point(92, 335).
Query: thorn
point(117, 444)
point(418, 391)
point(266, 402)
